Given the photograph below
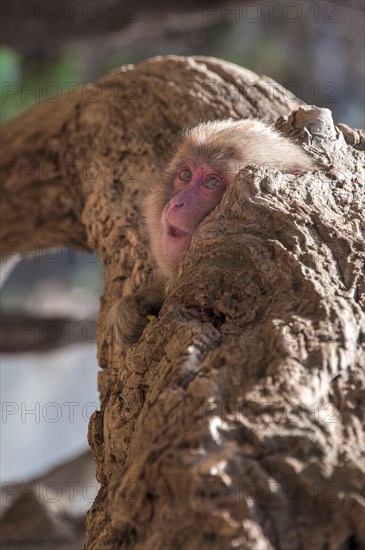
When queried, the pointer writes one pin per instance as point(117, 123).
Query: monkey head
point(195, 180)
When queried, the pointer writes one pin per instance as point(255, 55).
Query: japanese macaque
point(205, 163)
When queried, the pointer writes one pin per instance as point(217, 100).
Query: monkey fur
point(205, 163)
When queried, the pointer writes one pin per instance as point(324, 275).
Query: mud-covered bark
point(238, 417)
point(235, 422)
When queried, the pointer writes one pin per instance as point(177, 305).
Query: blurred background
point(49, 300)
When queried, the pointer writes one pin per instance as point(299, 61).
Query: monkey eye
point(211, 183)
point(185, 175)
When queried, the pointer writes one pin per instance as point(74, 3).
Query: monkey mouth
point(174, 231)
point(175, 243)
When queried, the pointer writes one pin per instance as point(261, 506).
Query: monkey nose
point(179, 205)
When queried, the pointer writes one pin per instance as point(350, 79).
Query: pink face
point(197, 191)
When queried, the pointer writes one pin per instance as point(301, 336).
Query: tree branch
point(236, 420)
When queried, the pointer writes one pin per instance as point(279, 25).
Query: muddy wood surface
point(236, 421)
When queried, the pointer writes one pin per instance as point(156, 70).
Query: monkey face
point(197, 189)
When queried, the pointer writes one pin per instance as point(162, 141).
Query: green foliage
point(28, 80)
point(10, 77)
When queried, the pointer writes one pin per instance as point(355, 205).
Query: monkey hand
point(131, 314)
point(128, 319)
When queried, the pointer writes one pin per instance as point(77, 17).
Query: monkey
point(192, 185)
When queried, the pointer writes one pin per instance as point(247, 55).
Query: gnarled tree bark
point(235, 422)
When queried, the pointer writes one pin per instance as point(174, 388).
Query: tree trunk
point(235, 422)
